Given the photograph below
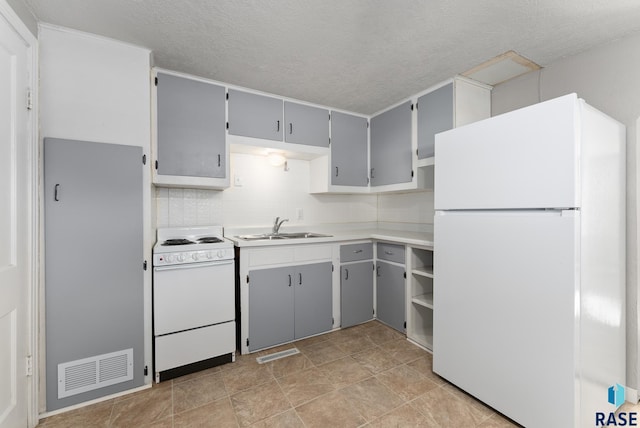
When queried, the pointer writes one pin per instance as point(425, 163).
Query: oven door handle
point(192, 265)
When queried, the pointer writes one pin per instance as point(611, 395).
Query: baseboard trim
point(88, 403)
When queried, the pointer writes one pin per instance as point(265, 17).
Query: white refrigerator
point(529, 262)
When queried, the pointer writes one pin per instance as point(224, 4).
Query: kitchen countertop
point(338, 234)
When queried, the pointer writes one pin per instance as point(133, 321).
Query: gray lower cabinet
point(349, 150)
point(391, 154)
point(306, 124)
point(390, 295)
point(356, 293)
point(271, 303)
point(253, 115)
point(93, 237)
point(435, 114)
point(191, 128)
point(313, 299)
point(289, 303)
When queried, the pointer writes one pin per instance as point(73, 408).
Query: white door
point(524, 159)
point(15, 226)
point(505, 297)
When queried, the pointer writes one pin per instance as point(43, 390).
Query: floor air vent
point(76, 377)
point(277, 355)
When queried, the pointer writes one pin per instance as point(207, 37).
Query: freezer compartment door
point(523, 159)
point(505, 293)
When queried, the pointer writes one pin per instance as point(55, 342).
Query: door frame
point(33, 208)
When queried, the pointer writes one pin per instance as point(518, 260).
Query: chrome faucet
point(277, 224)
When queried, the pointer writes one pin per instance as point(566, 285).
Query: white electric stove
point(193, 300)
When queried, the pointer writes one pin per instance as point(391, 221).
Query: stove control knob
point(195, 256)
point(169, 258)
point(209, 255)
point(180, 257)
point(220, 254)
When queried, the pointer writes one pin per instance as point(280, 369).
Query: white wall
point(97, 89)
point(412, 207)
point(266, 192)
point(608, 78)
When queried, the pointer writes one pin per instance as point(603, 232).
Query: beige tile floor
point(364, 376)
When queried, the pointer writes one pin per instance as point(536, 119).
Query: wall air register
point(75, 377)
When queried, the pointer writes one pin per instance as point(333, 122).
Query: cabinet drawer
point(355, 252)
point(391, 252)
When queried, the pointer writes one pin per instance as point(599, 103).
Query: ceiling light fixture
point(277, 159)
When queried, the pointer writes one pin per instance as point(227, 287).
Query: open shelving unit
point(421, 305)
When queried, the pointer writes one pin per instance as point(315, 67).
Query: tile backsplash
point(265, 192)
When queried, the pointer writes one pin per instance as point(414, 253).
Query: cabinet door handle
point(346, 276)
point(357, 251)
point(336, 171)
point(289, 280)
point(277, 126)
point(389, 253)
point(300, 278)
point(378, 270)
point(55, 192)
point(218, 160)
point(290, 128)
point(372, 169)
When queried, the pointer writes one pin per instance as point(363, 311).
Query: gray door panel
point(390, 295)
point(390, 252)
point(391, 146)
point(191, 128)
point(435, 114)
point(271, 302)
point(306, 125)
point(253, 115)
point(349, 152)
point(355, 252)
point(94, 255)
point(313, 299)
point(356, 293)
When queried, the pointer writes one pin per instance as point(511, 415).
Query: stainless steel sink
point(297, 235)
point(261, 237)
point(279, 236)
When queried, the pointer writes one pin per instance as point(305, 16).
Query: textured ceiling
point(358, 55)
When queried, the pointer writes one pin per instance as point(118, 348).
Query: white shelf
point(423, 339)
point(426, 161)
point(425, 300)
point(420, 292)
point(425, 271)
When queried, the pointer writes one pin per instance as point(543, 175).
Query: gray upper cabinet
point(391, 156)
point(349, 152)
point(191, 128)
point(306, 124)
point(257, 116)
point(435, 114)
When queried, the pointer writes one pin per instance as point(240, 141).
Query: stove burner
point(178, 241)
point(209, 240)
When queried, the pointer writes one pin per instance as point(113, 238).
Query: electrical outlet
point(237, 181)
point(300, 213)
